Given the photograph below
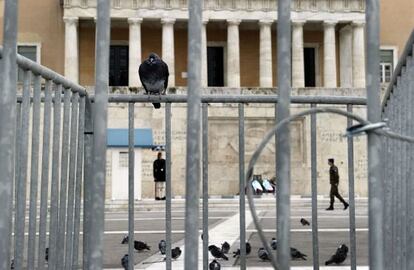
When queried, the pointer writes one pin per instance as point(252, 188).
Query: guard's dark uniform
point(334, 181)
point(159, 178)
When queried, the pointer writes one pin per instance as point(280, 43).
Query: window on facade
point(118, 65)
point(215, 66)
point(28, 51)
point(386, 65)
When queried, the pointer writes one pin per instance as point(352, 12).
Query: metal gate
point(76, 159)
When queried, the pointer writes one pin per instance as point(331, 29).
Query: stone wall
point(223, 142)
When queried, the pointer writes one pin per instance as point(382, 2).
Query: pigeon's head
point(125, 240)
point(343, 248)
point(153, 58)
point(210, 247)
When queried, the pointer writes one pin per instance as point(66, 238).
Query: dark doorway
point(215, 64)
point(310, 67)
point(118, 66)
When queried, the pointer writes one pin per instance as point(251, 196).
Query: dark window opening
point(215, 64)
point(118, 66)
point(310, 67)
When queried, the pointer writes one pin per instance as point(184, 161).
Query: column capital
point(298, 22)
point(134, 21)
point(358, 23)
point(329, 23)
point(266, 22)
point(168, 20)
point(205, 21)
point(71, 20)
point(233, 21)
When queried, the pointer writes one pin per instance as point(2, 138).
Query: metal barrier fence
point(82, 135)
point(397, 108)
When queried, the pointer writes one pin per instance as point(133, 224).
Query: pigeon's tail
point(236, 253)
point(156, 105)
point(225, 257)
point(328, 262)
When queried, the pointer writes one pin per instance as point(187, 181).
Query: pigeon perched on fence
point(296, 254)
point(153, 73)
point(217, 253)
point(125, 261)
point(339, 256)
point(162, 245)
point(214, 265)
point(273, 243)
point(225, 247)
point(175, 253)
point(248, 249)
point(263, 254)
point(304, 222)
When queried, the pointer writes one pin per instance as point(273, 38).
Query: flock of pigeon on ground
point(220, 253)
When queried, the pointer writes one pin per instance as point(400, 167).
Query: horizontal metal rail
point(48, 74)
point(333, 100)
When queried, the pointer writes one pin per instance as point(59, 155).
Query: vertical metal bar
point(410, 188)
point(352, 238)
point(314, 180)
point(397, 178)
point(87, 180)
point(387, 195)
point(375, 181)
point(394, 182)
point(17, 171)
point(71, 185)
point(22, 181)
point(193, 134)
point(78, 185)
point(54, 193)
point(168, 184)
point(44, 189)
point(205, 185)
point(100, 116)
point(131, 167)
point(283, 140)
point(31, 249)
point(7, 130)
point(61, 237)
point(242, 185)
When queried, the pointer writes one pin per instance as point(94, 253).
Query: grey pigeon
point(304, 222)
point(339, 256)
point(296, 254)
point(214, 265)
point(140, 246)
point(273, 243)
point(175, 253)
point(263, 254)
point(153, 73)
point(217, 253)
point(248, 249)
point(225, 247)
point(162, 245)
point(125, 240)
point(125, 262)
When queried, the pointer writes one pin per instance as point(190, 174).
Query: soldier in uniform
point(159, 177)
point(334, 181)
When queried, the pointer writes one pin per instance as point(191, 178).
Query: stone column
point(168, 47)
point(345, 57)
point(329, 55)
point(358, 54)
point(134, 51)
point(204, 76)
point(266, 79)
point(71, 49)
point(233, 53)
point(298, 64)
